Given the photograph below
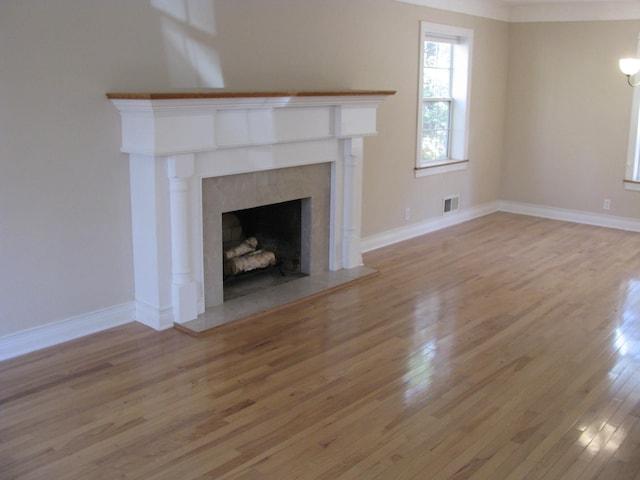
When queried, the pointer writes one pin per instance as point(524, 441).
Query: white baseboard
point(575, 216)
point(156, 318)
point(390, 237)
point(26, 341)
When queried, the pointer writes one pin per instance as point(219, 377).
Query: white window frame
point(462, 40)
point(632, 174)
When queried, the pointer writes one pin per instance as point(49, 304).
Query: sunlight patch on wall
point(195, 13)
point(188, 28)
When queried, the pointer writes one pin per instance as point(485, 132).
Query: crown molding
point(576, 12)
point(564, 11)
point(494, 9)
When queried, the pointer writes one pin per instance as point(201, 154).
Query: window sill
point(438, 168)
point(632, 185)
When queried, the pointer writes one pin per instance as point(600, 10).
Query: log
point(248, 246)
point(250, 261)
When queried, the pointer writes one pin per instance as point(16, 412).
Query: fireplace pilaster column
point(184, 288)
point(352, 255)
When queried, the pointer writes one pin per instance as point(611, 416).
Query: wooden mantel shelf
point(226, 94)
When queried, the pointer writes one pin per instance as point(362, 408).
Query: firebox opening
point(264, 247)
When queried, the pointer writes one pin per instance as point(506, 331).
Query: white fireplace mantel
point(175, 140)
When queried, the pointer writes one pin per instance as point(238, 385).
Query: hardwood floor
point(507, 347)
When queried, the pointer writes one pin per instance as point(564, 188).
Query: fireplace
point(262, 247)
point(196, 156)
point(248, 191)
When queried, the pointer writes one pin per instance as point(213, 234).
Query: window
point(436, 100)
point(443, 113)
point(632, 175)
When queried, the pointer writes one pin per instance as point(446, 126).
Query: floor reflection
point(604, 436)
point(420, 364)
point(627, 334)
point(420, 371)
point(608, 434)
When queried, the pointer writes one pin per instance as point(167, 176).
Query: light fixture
point(630, 67)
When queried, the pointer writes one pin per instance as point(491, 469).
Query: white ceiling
point(540, 10)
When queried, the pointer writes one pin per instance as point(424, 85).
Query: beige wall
point(65, 235)
point(64, 201)
point(568, 116)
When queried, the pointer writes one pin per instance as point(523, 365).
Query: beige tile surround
point(248, 190)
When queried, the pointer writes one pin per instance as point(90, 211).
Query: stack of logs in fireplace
point(246, 257)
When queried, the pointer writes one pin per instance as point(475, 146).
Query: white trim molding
point(448, 167)
point(373, 242)
point(575, 216)
point(531, 11)
point(632, 186)
point(26, 341)
point(379, 240)
point(575, 12)
point(494, 9)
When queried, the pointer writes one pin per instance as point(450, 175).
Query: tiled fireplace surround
point(248, 190)
point(194, 156)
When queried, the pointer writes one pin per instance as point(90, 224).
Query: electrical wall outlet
point(407, 213)
point(607, 204)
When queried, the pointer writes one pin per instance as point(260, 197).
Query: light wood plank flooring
point(507, 347)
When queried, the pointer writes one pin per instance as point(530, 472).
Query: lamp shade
point(629, 66)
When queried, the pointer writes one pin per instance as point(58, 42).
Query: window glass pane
point(434, 147)
point(436, 116)
point(435, 131)
point(437, 54)
point(437, 83)
point(437, 69)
